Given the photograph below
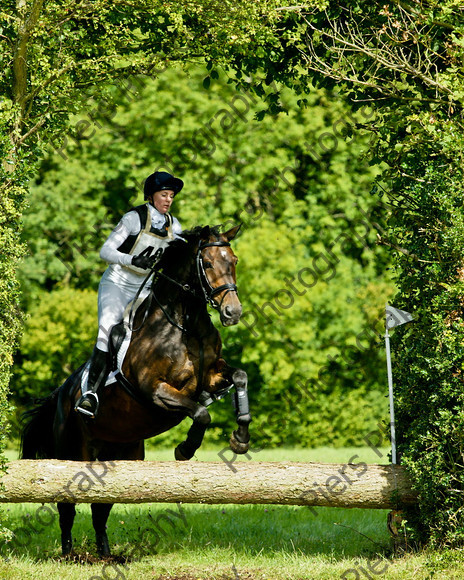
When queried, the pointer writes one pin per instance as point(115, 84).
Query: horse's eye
point(207, 265)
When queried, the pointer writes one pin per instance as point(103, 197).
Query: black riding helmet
point(161, 180)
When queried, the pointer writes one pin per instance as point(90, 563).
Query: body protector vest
point(149, 238)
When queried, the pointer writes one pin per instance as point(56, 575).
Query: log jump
point(311, 484)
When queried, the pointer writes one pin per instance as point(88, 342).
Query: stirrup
point(79, 409)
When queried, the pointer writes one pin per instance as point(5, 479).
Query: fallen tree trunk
point(312, 484)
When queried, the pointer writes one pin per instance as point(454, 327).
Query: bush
point(59, 336)
point(430, 353)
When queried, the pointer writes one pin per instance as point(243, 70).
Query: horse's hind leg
point(67, 513)
point(101, 511)
point(100, 514)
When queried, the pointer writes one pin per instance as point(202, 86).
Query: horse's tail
point(38, 438)
point(37, 441)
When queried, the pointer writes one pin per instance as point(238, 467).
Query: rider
point(129, 249)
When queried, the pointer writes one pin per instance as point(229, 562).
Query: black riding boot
point(88, 403)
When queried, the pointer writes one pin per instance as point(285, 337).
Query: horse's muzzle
point(230, 314)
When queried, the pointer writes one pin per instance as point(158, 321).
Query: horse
point(173, 363)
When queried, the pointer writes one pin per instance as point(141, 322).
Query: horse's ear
point(205, 233)
point(230, 234)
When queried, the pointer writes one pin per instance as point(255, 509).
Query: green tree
point(51, 54)
point(405, 58)
point(58, 337)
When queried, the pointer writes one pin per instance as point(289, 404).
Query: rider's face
point(162, 200)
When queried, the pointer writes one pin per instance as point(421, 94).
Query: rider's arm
point(129, 225)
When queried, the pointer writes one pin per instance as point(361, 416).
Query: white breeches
point(114, 294)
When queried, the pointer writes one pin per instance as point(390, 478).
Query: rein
point(156, 258)
point(208, 293)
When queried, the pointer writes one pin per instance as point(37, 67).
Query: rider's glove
point(143, 261)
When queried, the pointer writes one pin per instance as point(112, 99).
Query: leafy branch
point(355, 50)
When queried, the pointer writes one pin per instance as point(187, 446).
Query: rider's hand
point(143, 261)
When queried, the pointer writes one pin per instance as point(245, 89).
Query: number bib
point(149, 240)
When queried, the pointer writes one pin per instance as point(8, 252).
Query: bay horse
point(173, 361)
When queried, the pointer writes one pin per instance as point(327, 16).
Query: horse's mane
point(180, 250)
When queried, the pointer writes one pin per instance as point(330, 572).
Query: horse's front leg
point(240, 439)
point(170, 399)
point(186, 450)
point(67, 513)
point(100, 514)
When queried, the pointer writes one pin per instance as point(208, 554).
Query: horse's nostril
point(231, 312)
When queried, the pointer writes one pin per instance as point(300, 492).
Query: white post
point(394, 317)
point(390, 391)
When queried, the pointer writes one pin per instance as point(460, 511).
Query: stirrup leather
point(84, 411)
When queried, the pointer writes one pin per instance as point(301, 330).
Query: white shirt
point(130, 225)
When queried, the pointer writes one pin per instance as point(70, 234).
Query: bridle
point(208, 291)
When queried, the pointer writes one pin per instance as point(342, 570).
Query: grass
point(225, 542)
point(320, 454)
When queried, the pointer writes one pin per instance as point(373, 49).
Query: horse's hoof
point(178, 454)
point(237, 446)
point(103, 547)
point(66, 547)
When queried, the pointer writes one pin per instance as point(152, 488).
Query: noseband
point(208, 291)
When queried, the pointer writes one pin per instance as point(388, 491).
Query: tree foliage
point(404, 59)
point(51, 54)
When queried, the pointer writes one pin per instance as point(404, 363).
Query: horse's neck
point(169, 289)
point(189, 306)
point(196, 317)
point(192, 311)
point(175, 303)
